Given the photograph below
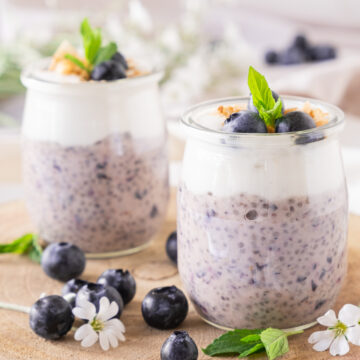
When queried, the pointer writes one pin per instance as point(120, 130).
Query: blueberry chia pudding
point(262, 209)
point(249, 262)
point(110, 196)
point(94, 148)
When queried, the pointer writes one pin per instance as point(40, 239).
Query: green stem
point(20, 308)
point(290, 333)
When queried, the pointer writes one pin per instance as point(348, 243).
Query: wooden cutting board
point(22, 281)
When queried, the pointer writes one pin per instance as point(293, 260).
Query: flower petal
point(83, 331)
point(104, 341)
point(329, 319)
point(349, 314)
point(115, 324)
point(353, 335)
point(108, 312)
point(83, 313)
point(340, 346)
point(112, 338)
point(90, 339)
point(321, 339)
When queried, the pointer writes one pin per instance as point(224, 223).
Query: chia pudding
point(95, 161)
point(262, 219)
point(247, 262)
point(105, 197)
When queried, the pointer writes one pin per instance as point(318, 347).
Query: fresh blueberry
point(63, 261)
point(108, 70)
point(93, 292)
point(294, 121)
point(121, 280)
point(179, 346)
point(120, 58)
point(171, 247)
point(301, 42)
point(165, 307)
point(252, 107)
point(271, 57)
point(51, 317)
point(245, 122)
point(73, 286)
point(70, 298)
point(291, 56)
point(321, 52)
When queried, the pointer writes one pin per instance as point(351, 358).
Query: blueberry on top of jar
point(245, 122)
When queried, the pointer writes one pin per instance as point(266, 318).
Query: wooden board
point(22, 281)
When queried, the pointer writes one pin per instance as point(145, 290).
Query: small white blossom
point(101, 326)
point(341, 331)
point(140, 17)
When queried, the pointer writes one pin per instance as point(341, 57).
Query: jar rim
point(31, 81)
point(188, 120)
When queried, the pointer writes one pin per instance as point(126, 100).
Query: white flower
point(140, 17)
point(100, 326)
point(340, 331)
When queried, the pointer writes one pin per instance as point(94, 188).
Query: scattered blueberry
point(179, 346)
point(70, 298)
point(245, 122)
point(121, 280)
point(301, 42)
point(271, 57)
point(120, 58)
point(292, 56)
point(51, 317)
point(63, 261)
point(165, 307)
point(73, 286)
point(300, 51)
point(171, 247)
point(94, 292)
point(294, 121)
point(252, 107)
point(108, 70)
point(321, 53)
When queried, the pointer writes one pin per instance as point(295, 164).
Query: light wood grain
point(22, 282)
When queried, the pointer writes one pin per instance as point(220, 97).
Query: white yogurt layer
point(272, 172)
point(72, 113)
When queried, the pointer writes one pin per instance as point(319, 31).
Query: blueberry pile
point(112, 69)
point(300, 51)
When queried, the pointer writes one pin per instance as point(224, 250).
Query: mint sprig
point(244, 342)
point(25, 245)
point(94, 52)
point(269, 110)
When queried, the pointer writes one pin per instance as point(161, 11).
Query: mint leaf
point(77, 62)
point(230, 343)
point(91, 40)
point(27, 244)
point(275, 342)
point(269, 110)
point(105, 53)
point(259, 347)
point(251, 338)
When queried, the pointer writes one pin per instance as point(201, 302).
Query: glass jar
point(262, 221)
point(95, 163)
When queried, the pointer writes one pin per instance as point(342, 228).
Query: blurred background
point(307, 48)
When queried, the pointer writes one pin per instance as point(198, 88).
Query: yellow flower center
point(340, 328)
point(97, 325)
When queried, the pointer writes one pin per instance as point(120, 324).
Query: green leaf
point(275, 342)
point(77, 62)
point(269, 110)
point(258, 347)
point(91, 40)
point(230, 343)
point(27, 244)
point(251, 338)
point(105, 53)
